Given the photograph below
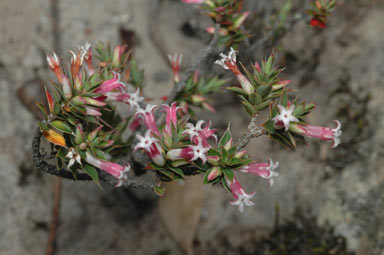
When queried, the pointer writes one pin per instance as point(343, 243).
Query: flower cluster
point(81, 121)
point(177, 141)
point(80, 118)
point(321, 9)
point(264, 89)
point(196, 89)
point(228, 14)
point(89, 135)
point(178, 145)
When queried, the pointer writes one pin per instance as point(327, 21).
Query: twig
point(154, 34)
point(179, 87)
point(283, 30)
point(252, 132)
point(51, 246)
point(40, 163)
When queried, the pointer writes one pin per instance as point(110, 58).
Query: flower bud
point(214, 173)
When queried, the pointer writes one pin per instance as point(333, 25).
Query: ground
point(339, 191)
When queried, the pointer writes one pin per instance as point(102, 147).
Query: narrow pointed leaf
point(49, 99)
point(54, 137)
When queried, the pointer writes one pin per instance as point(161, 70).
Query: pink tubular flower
point(263, 169)
point(323, 133)
point(117, 54)
point(134, 125)
point(152, 147)
point(54, 65)
point(214, 173)
point(283, 119)
point(241, 198)
point(135, 99)
point(149, 117)
point(92, 111)
point(110, 85)
point(189, 153)
point(240, 20)
point(284, 82)
point(197, 134)
point(222, 31)
point(175, 61)
point(229, 62)
point(90, 101)
point(119, 97)
point(315, 22)
point(118, 171)
point(171, 116)
point(87, 48)
point(77, 61)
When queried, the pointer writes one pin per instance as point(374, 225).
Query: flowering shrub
point(89, 135)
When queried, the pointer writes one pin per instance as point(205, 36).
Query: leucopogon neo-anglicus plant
point(91, 140)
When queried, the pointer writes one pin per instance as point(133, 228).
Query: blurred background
point(325, 201)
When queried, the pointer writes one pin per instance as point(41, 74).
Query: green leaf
point(309, 107)
point(284, 11)
point(43, 126)
point(231, 152)
point(205, 179)
point(61, 153)
point(262, 106)
point(291, 139)
point(176, 170)
point(255, 98)
point(299, 110)
point(169, 174)
point(249, 75)
point(226, 137)
point(56, 109)
point(268, 64)
point(225, 185)
point(249, 108)
point(238, 162)
point(160, 191)
point(238, 90)
point(137, 75)
point(228, 173)
point(91, 171)
point(212, 85)
point(43, 110)
point(61, 126)
point(269, 126)
point(264, 90)
point(284, 99)
point(214, 152)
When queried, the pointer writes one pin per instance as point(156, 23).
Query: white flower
point(199, 152)
point(285, 117)
point(243, 199)
point(135, 99)
point(231, 58)
point(73, 156)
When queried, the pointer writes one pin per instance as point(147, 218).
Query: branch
point(40, 163)
point(179, 87)
point(252, 132)
point(281, 32)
